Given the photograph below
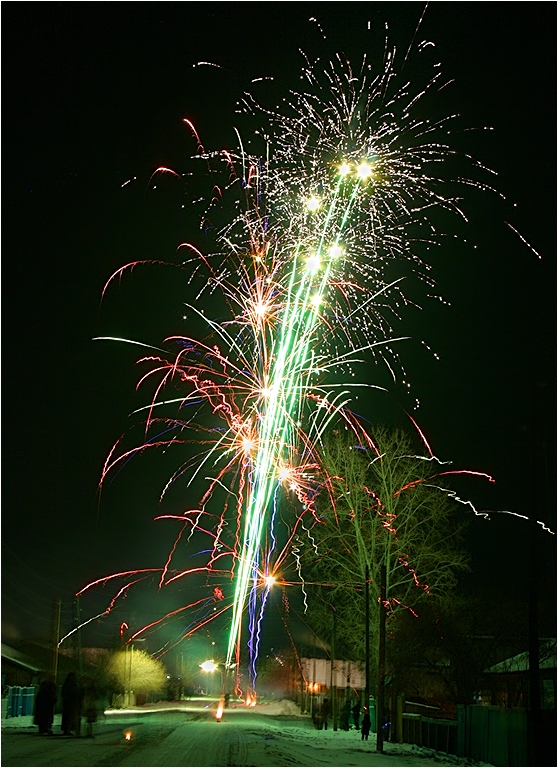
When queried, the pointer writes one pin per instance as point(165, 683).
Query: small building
point(19, 668)
point(507, 683)
point(346, 674)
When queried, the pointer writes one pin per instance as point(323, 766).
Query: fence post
point(460, 741)
point(399, 718)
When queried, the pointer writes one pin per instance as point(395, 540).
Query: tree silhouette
point(385, 506)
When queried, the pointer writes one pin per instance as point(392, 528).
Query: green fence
point(487, 734)
point(506, 737)
point(434, 733)
point(493, 735)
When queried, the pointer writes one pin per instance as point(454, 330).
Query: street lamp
point(129, 697)
point(209, 666)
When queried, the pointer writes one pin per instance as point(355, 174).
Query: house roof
point(520, 662)
point(19, 658)
point(38, 657)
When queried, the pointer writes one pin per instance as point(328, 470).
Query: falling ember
point(219, 713)
point(128, 735)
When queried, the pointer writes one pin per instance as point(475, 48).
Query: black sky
point(94, 95)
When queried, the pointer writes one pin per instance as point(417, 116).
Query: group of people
point(323, 712)
point(78, 698)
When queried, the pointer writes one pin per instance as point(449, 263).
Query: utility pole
point(367, 639)
point(56, 633)
point(77, 635)
point(302, 696)
point(130, 690)
point(313, 694)
point(534, 715)
point(334, 672)
point(381, 664)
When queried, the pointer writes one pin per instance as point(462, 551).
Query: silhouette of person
point(326, 709)
point(366, 723)
point(356, 714)
point(90, 703)
point(344, 717)
point(44, 706)
point(72, 697)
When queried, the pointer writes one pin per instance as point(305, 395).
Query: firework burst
point(335, 187)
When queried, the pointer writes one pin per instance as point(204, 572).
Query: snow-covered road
point(268, 735)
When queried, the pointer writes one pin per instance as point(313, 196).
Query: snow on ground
point(275, 734)
point(346, 748)
point(295, 732)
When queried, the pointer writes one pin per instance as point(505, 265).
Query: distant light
point(209, 666)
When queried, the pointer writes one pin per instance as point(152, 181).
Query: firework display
point(337, 185)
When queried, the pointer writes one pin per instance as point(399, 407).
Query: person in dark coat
point(317, 715)
point(44, 706)
point(72, 698)
point(345, 715)
point(366, 723)
point(356, 714)
point(90, 703)
point(326, 709)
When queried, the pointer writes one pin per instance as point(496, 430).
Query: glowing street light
point(209, 666)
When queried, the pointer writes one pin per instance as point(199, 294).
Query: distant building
point(19, 668)
point(507, 682)
point(346, 674)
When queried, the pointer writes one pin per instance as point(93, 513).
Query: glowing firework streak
point(288, 381)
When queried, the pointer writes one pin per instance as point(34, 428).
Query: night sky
point(94, 96)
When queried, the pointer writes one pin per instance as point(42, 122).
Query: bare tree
point(380, 506)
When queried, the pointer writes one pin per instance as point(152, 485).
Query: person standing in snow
point(356, 714)
point(72, 698)
point(365, 728)
point(345, 715)
point(325, 712)
point(44, 706)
